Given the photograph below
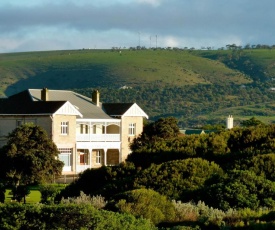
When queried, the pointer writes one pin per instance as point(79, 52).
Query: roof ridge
point(64, 90)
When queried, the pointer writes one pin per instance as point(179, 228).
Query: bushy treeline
point(230, 149)
point(66, 216)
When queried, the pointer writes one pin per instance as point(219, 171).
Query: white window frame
point(98, 157)
point(67, 152)
point(132, 129)
point(64, 128)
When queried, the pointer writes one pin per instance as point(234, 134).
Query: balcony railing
point(81, 168)
point(98, 137)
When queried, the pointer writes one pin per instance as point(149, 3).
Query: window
point(98, 157)
point(19, 123)
point(132, 129)
point(64, 128)
point(65, 156)
point(84, 129)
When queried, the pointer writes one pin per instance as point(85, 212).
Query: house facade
point(88, 134)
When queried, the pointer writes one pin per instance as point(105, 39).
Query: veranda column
point(105, 156)
point(91, 159)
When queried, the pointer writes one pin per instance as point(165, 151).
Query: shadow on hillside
point(63, 79)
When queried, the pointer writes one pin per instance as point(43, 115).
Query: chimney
point(95, 97)
point(44, 94)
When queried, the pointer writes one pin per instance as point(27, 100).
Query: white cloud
point(150, 2)
point(171, 41)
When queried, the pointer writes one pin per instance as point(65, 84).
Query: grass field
point(33, 197)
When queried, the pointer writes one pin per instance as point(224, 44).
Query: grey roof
point(84, 104)
point(116, 109)
point(21, 104)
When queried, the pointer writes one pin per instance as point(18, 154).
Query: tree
point(29, 156)
point(251, 122)
point(163, 128)
point(239, 189)
point(178, 179)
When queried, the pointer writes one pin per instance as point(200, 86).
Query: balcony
point(97, 137)
point(81, 168)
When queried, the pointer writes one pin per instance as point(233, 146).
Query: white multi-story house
point(88, 133)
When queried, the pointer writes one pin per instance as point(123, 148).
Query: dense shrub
point(239, 189)
point(48, 193)
point(145, 203)
point(190, 212)
point(178, 179)
point(66, 216)
point(96, 201)
point(109, 181)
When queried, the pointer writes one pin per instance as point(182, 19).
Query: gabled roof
point(123, 110)
point(83, 104)
point(22, 104)
point(29, 102)
point(116, 109)
point(10, 107)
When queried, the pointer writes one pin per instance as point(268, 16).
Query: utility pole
point(139, 39)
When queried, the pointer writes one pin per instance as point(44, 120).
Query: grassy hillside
point(195, 86)
point(92, 68)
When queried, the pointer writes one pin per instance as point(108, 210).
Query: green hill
point(195, 86)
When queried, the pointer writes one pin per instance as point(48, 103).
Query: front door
point(82, 159)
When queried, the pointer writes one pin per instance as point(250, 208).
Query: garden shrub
point(146, 203)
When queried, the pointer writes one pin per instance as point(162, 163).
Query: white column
point(90, 156)
point(105, 156)
point(119, 156)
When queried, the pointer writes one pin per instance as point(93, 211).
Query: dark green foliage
point(145, 203)
point(251, 122)
point(48, 193)
point(69, 217)
point(226, 148)
point(29, 156)
point(109, 181)
point(239, 189)
point(153, 133)
point(2, 192)
point(20, 192)
point(261, 165)
point(179, 179)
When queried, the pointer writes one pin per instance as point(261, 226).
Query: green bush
point(145, 203)
point(48, 193)
point(178, 179)
point(66, 216)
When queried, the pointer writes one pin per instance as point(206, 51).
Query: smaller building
point(229, 122)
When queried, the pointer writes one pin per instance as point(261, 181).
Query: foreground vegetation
point(221, 180)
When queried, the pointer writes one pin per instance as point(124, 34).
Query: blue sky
point(30, 25)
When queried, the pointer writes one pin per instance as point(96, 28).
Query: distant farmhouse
point(88, 133)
